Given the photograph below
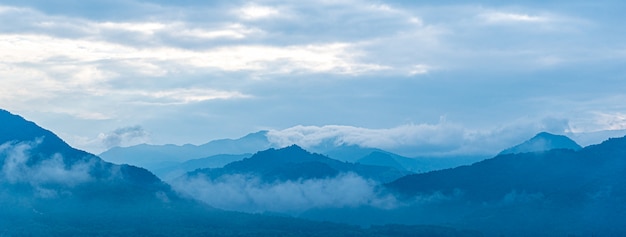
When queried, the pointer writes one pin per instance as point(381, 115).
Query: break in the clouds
point(194, 71)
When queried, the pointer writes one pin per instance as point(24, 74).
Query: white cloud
point(148, 28)
point(441, 139)
point(196, 95)
point(125, 136)
point(383, 8)
point(609, 121)
point(83, 114)
point(419, 139)
point(338, 58)
point(419, 69)
point(256, 12)
point(249, 194)
point(507, 17)
point(178, 96)
point(176, 29)
point(230, 31)
point(17, 167)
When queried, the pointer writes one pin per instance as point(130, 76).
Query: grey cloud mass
point(192, 71)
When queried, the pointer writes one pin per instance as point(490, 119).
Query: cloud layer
point(439, 139)
point(249, 194)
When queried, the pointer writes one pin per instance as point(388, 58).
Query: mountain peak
point(293, 147)
point(289, 153)
point(543, 141)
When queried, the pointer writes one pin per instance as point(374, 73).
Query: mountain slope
point(35, 156)
point(543, 142)
point(555, 191)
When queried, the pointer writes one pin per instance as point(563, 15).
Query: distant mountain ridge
point(417, 164)
point(543, 142)
point(48, 188)
point(294, 163)
point(167, 161)
point(173, 171)
point(155, 157)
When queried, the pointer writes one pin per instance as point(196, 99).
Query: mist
point(18, 166)
point(250, 194)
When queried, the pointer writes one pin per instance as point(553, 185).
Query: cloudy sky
point(102, 73)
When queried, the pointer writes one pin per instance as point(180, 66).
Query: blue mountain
point(417, 164)
point(294, 163)
point(543, 142)
point(155, 157)
point(33, 156)
point(173, 171)
point(556, 192)
point(48, 188)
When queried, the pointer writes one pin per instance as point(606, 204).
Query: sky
point(438, 75)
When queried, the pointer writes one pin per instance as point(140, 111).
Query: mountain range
point(170, 161)
point(546, 186)
point(48, 188)
point(294, 163)
point(155, 157)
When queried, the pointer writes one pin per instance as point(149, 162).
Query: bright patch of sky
point(193, 71)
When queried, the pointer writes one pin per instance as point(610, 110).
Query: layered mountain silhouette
point(546, 186)
point(170, 161)
point(544, 142)
point(173, 171)
point(294, 163)
point(154, 157)
point(48, 188)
